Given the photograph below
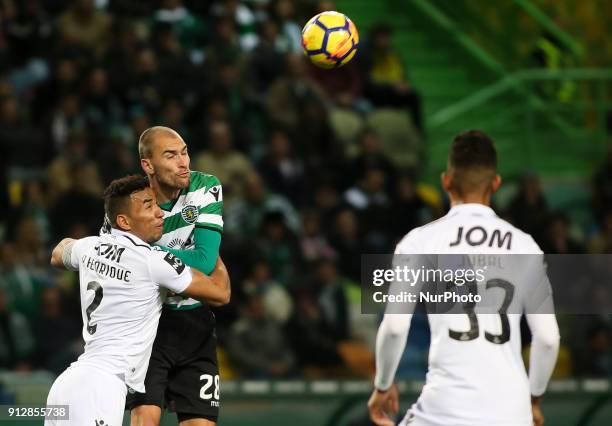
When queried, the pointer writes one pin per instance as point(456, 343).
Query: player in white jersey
point(476, 375)
point(122, 280)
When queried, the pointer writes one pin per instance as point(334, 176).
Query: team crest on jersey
point(189, 214)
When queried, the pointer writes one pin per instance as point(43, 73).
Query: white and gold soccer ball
point(330, 39)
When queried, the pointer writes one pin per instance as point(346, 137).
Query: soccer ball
point(330, 39)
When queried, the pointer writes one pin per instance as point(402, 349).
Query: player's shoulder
point(411, 242)
point(86, 243)
point(205, 190)
point(199, 180)
point(134, 250)
point(92, 239)
point(523, 242)
point(415, 239)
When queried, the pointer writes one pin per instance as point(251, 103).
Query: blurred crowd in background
point(312, 175)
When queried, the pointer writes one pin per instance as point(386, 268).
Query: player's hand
point(383, 406)
point(538, 417)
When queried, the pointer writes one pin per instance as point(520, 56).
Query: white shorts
point(411, 420)
point(94, 397)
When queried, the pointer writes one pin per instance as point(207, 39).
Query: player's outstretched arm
point(62, 253)
point(214, 289)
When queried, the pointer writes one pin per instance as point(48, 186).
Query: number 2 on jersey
point(98, 295)
point(474, 331)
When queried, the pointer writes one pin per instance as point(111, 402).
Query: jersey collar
point(472, 209)
point(134, 238)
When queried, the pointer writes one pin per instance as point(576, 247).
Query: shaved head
point(147, 138)
point(164, 157)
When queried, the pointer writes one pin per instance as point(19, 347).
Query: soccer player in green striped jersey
point(183, 371)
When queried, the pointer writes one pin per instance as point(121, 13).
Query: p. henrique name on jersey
point(105, 269)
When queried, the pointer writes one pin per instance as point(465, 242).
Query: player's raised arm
point(61, 257)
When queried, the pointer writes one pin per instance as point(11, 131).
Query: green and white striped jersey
point(198, 206)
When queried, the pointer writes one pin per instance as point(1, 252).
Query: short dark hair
point(473, 149)
point(118, 192)
point(472, 160)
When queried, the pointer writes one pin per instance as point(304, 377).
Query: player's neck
point(470, 199)
point(134, 233)
point(164, 193)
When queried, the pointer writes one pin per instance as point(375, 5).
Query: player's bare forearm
point(214, 289)
point(221, 279)
point(58, 253)
point(536, 410)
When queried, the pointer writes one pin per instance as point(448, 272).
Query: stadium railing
point(585, 402)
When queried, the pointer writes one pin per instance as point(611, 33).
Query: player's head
point(471, 174)
point(131, 206)
point(164, 157)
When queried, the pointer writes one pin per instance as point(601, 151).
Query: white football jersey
point(120, 279)
point(476, 374)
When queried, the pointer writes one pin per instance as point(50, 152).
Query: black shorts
point(183, 373)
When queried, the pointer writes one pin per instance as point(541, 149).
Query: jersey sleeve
point(393, 331)
point(205, 253)
point(74, 251)
point(544, 350)
point(407, 256)
point(169, 271)
point(210, 208)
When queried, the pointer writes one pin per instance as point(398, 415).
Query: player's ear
point(146, 165)
point(445, 181)
point(496, 183)
point(123, 222)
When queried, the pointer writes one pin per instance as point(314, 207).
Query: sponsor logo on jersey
point(215, 191)
point(189, 214)
point(477, 235)
point(110, 251)
point(175, 262)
